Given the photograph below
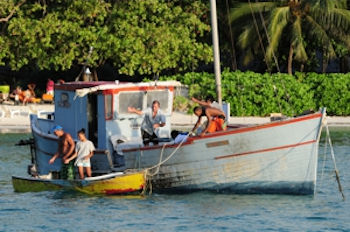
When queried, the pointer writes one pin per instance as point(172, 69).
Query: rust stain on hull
point(218, 143)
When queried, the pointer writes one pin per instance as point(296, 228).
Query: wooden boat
point(109, 184)
point(276, 157)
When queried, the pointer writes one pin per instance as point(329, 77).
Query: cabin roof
point(71, 86)
point(83, 88)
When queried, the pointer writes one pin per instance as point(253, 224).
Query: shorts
point(67, 171)
point(83, 163)
point(217, 124)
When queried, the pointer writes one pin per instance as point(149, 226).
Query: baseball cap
point(56, 128)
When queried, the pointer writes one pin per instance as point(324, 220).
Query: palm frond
point(332, 16)
point(278, 20)
point(319, 34)
point(298, 41)
point(245, 10)
point(247, 37)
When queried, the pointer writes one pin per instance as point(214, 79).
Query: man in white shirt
point(153, 119)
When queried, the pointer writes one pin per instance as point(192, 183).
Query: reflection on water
point(200, 211)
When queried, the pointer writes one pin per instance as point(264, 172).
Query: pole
point(214, 26)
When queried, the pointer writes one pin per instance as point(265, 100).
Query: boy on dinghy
point(84, 150)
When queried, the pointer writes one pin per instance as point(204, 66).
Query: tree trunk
point(324, 63)
point(302, 67)
point(344, 64)
point(290, 60)
point(94, 75)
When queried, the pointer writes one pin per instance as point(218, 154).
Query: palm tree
point(304, 25)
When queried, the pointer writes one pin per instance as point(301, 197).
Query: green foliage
point(254, 94)
point(304, 26)
point(183, 104)
point(144, 37)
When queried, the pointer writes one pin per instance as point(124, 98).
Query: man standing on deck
point(65, 150)
point(153, 119)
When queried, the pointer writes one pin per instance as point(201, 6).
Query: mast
point(214, 26)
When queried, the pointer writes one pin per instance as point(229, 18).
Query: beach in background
point(15, 118)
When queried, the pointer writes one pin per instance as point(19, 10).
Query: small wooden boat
point(109, 184)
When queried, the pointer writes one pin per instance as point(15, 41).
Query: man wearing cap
point(65, 150)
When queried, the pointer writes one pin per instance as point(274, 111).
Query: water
point(201, 211)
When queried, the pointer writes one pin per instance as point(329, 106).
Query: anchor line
point(334, 163)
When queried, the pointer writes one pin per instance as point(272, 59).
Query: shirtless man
point(65, 150)
point(216, 119)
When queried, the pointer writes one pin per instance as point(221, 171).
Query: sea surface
point(200, 211)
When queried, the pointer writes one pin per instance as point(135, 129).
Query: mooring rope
point(334, 163)
point(149, 175)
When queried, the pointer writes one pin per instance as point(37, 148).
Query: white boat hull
point(278, 157)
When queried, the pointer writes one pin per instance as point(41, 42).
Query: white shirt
point(149, 121)
point(84, 148)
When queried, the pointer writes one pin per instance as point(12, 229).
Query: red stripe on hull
point(266, 150)
point(122, 191)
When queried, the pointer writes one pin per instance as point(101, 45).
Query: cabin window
point(64, 100)
point(130, 99)
point(108, 106)
point(161, 96)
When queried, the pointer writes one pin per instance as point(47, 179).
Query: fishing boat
point(276, 157)
point(108, 184)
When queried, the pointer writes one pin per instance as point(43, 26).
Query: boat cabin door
point(92, 118)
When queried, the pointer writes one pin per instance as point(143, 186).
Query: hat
point(56, 128)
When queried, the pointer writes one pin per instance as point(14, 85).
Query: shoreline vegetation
point(19, 122)
point(256, 94)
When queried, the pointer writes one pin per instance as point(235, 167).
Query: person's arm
point(54, 157)
point(161, 123)
point(92, 150)
point(134, 110)
point(197, 124)
point(89, 155)
point(71, 158)
point(208, 115)
point(202, 103)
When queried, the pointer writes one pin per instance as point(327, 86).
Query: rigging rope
point(257, 31)
point(234, 62)
point(268, 38)
point(273, 54)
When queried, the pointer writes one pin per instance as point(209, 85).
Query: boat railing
point(41, 125)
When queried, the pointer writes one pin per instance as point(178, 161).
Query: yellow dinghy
point(33, 184)
point(112, 184)
point(116, 183)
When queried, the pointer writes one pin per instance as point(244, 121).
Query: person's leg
point(154, 139)
point(88, 171)
point(63, 172)
point(145, 137)
point(212, 126)
point(70, 170)
point(81, 172)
